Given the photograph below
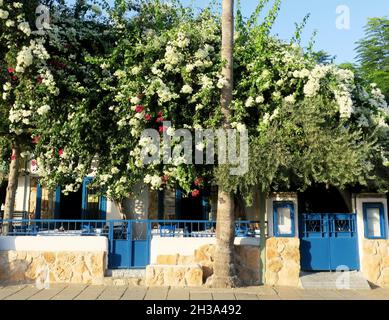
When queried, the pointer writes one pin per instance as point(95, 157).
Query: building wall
point(373, 254)
point(283, 262)
point(282, 196)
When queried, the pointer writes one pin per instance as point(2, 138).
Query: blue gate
point(328, 241)
point(129, 244)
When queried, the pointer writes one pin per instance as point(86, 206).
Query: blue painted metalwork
point(128, 240)
point(38, 209)
point(380, 207)
point(328, 241)
point(277, 205)
point(57, 208)
point(102, 205)
point(178, 207)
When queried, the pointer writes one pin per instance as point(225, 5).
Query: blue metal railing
point(123, 229)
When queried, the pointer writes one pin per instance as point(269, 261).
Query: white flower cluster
point(4, 14)
point(25, 28)
point(43, 110)
point(24, 59)
point(154, 181)
point(312, 87)
point(19, 114)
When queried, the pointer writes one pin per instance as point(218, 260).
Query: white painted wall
point(292, 197)
point(22, 193)
point(113, 212)
point(358, 201)
point(54, 243)
point(187, 246)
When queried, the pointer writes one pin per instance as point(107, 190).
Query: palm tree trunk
point(224, 275)
point(12, 187)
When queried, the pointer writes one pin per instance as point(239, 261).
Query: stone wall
point(52, 267)
point(283, 262)
point(247, 263)
point(174, 276)
point(375, 261)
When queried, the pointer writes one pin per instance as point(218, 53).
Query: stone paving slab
point(178, 294)
point(223, 296)
point(91, 293)
point(112, 293)
point(70, 292)
point(156, 294)
point(246, 296)
point(264, 291)
point(24, 294)
point(134, 293)
point(198, 295)
point(49, 293)
point(10, 290)
point(272, 297)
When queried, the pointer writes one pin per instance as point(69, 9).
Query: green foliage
point(373, 53)
point(145, 62)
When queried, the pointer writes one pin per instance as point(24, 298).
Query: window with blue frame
point(374, 220)
point(283, 219)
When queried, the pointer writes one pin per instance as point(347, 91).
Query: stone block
point(174, 275)
point(167, 259)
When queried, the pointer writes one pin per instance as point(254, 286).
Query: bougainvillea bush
point(142, 63)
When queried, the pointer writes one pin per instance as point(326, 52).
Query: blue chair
point(87, 230)
point(167, 231)
point(241, 231)
point(32, 230)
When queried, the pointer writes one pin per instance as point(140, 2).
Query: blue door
point(328, 241)
point(129, 244)
point(94, 207)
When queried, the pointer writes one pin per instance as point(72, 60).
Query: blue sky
point(323, 19)
point(340, 43)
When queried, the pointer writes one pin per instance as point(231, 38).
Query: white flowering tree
point(27, 85)
point(165, 66)
point(309, 123)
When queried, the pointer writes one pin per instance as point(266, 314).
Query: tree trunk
point(123, 209)
point(12, 186)
point(262, 227)
point(224, 271)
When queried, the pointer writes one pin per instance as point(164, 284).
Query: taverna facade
point(81, 237)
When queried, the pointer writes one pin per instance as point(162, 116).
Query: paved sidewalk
point(83, 292)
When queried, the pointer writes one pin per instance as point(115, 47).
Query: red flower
point(147, 117)
point(13, 157)
point(165, 178)
point(160, 114)
point(35, 140)
point(33, 163)
point(195, 193)
point(160, 119)
point(139, 109)
point(14, 78)
point(198, 182)
point(11, 70)
point(162, 129)
point(60, 152)
point(39, 79)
